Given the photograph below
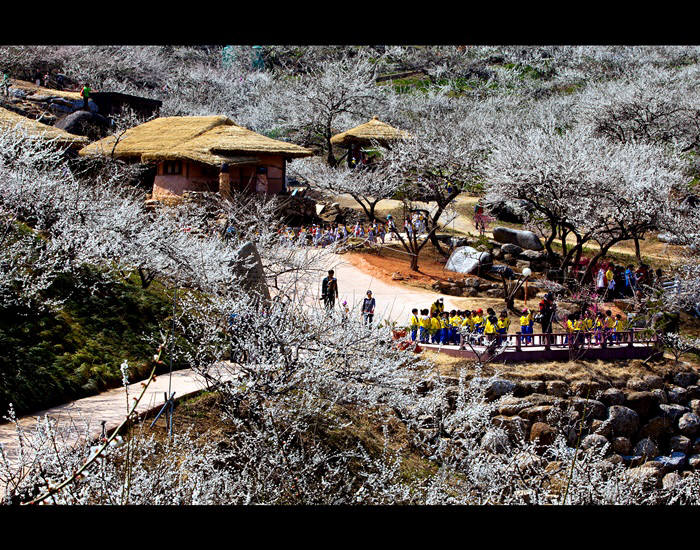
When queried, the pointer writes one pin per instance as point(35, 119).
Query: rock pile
point(648, 420)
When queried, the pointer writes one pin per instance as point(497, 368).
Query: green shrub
point(47, 358)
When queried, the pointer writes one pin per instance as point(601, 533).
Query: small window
point(173, 167)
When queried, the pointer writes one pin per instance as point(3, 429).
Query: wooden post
point(547, 342)
point(518, 347)
point(630, 335)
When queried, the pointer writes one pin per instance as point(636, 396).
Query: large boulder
point(248, 268)
point(84, 123)
point(466, 259)
point(524, 239)
point(623, 420)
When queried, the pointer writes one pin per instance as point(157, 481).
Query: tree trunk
point(414, 262)
point(332, 162)
point(637, 250)
point(437, 245)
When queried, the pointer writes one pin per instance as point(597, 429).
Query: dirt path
point(394, 301)
point(459, 218)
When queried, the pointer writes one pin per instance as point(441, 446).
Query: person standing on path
point(5, 84)
point(85, 94)
point(329, 290)
point(368, 305)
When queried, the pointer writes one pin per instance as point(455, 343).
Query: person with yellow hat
point(526, 325)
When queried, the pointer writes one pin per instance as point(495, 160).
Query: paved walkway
point(110, 406)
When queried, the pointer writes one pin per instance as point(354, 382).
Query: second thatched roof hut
point(364, 135)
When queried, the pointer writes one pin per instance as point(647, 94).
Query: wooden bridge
point(556, 346)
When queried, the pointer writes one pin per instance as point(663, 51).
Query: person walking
point(5, 84)
point(329, 289)
point(368, 305)
point(479, 221)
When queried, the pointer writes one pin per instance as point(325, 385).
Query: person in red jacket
point(547, 312)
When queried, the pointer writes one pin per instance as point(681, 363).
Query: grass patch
point(51, 357)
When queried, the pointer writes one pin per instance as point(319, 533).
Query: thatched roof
point(209, 139)
point(364, 134)
point(36, 129)
point(33, 90)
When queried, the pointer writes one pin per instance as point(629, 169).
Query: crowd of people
point(615, 281)
point(320, 235)
point(437, 326)
point(456, 327)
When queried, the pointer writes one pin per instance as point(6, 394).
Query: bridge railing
point(548, 340)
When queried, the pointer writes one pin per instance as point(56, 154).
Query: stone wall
point(649, 424)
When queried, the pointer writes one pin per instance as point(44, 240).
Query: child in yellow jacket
point(502, 326)
point(424, 326)
point(435, 328)
point(414, 323)
point(526, 325)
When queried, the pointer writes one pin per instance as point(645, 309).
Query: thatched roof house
point(192, 151)
point(364, 134)
point(36, 129)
